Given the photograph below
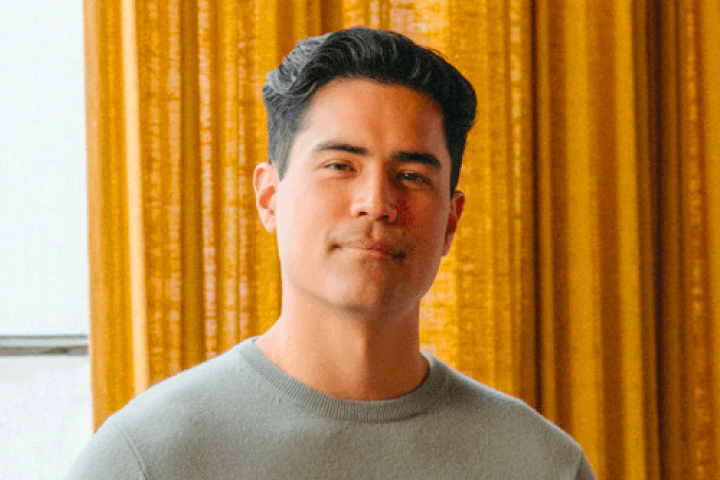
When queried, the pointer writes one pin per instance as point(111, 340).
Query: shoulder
point(499, 409)
point(197, 385)
point(503, 413)
point(508, 429)
point(192, 403)
point(171, 428)
point(110, 452)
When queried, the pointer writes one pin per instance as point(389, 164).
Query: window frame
point(37, 345)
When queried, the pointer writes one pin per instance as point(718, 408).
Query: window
point(45, 403)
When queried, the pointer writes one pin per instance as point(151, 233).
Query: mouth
point(375, 249)
point(377, 254)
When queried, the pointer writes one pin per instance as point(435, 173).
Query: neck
point(365, 359)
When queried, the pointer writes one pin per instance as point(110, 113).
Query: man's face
point(363, 215)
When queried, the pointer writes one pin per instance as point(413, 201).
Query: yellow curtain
point(584, 273)
point(597, 234)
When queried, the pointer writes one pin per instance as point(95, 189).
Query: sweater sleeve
point(584, 471)
point(108, 455)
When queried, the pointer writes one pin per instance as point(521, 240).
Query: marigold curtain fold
point(583, 276)
point(596, 233)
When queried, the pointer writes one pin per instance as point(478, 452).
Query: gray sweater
point(239, 416)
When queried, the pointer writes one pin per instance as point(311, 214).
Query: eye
point(414, 178)
point(338, 166)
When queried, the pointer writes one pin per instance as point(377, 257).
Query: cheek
point(431, 227)
point(304, 219)
point(289, 227)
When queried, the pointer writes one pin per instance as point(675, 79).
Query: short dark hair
point(359, 52)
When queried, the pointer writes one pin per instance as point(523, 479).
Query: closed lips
point(375, 246)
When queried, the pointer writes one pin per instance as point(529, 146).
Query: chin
point(368, 302)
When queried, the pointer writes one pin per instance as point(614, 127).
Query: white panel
point(43, 218)
point(45, 415)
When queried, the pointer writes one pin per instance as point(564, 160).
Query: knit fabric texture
point(238, 416)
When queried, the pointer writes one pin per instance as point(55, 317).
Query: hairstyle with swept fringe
point(359, 52)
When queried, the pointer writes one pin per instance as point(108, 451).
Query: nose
point(375, 197)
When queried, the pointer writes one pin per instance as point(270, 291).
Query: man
point(366, 136)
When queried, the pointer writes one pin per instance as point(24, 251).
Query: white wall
point(45, 404)
point(43, 207)
point(45, 415)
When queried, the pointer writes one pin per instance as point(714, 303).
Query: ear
point(456, 207)
point(265, 184)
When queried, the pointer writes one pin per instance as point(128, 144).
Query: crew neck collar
point(414, 403)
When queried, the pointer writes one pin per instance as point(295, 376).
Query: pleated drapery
point(584, 272)
point(597, 233)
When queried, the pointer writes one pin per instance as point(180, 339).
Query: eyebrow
point(398, 156)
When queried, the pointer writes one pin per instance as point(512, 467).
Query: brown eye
point(413, 177)
point(338, 166)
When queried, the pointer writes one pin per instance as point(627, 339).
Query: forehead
point(355, 93)
point(374, 115)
